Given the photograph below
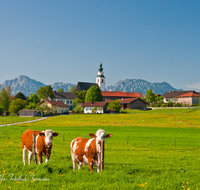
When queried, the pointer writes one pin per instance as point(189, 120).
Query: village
point(92, 98)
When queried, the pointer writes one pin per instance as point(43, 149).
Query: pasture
point(163, 152)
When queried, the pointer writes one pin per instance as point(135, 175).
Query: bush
point(78, 109)
point(94, 110)
point(178, 105)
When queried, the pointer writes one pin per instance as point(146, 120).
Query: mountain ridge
point(28, 86)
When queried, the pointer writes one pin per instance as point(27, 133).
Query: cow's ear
point(92, 135)
point(55, 134)
point(109, 135)
point(42, 134)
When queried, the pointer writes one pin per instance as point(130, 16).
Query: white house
point(89, 106)
point(65, 97)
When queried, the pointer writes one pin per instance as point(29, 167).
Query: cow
point(43, 144)
point(87, 151)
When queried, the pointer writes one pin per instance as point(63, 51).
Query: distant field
point(163, 152)
point(15, 119)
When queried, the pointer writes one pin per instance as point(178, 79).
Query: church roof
point(84, 86)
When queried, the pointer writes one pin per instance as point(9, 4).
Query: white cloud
point(37, 43)
point(7, 76)
point(196, 86)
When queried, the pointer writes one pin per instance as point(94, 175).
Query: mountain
point(28, 86)
point(138, 85)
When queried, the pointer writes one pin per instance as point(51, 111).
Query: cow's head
point(100, 135)
point(48, 136)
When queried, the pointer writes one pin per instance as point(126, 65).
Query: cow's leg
point(40, 157)
point(99, 162)
point(29, 157)
point(74, 161)
point(24, 154)
point(90, 165)
point(46, 160)
point(80, 165)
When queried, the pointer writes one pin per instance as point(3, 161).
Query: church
point(107, 95)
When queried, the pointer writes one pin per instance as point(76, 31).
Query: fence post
point(63, 136)
point(102, 155)
point(127, 140)
point(33, 149)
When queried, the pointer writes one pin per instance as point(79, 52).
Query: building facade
point(100, 79)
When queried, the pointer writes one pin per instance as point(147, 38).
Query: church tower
point(100, 79)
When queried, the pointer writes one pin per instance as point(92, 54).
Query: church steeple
point(100, 79)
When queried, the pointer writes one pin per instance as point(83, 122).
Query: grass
point(15, 119)
point(136, 165)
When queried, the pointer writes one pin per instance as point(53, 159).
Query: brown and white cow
point(43, 144)
point(87, 151)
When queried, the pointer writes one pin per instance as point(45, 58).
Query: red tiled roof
point(127, 100)
point(56, 103)
point(122, 94)
point(190, 94)
point(94, 104)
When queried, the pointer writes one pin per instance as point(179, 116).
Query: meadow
point(163, 152)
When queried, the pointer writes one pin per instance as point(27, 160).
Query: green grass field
point(15, 119)
point(163, 152)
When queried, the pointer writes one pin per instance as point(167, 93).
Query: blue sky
point(63, 41)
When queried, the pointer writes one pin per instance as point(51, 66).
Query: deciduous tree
point(16, 105)
point(93, 94)
point(60, 90)
point(45, 92)
point(4, 100)
point(115, 105)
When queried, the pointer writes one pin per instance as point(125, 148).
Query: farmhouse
point(56, 106)
point(132, 103)
point(189, 98)
point(66, 97)
point(172, 95)
point(89, 106)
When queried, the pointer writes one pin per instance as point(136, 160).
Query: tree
point(4, 100)
point(60, 90)
point(33, 98)
point(16, 105)
point(81, 95)
point(45, 92)
point(93, 94)
point(78, 109)
point(72, 89)
point(150, 97)
point(115, 105)
point(8, 90)
point(20, 95)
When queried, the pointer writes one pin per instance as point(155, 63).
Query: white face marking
point(100, 135)
point(48, 137)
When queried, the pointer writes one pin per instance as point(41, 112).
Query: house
point(189, 98)
point(66, 97)
point(132, 103)
point(84, 86)
point(172, 95)
point(56, 106)
point(112, 95)
point(89, 106)
point(29, 113)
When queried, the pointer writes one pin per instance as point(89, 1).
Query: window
point(70, 102)
point(102, 80)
